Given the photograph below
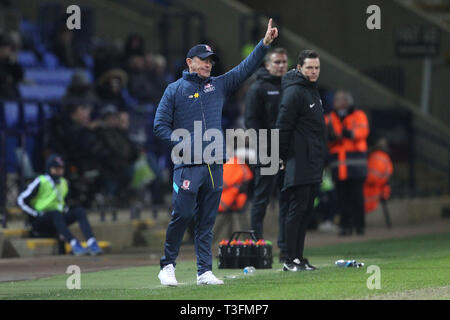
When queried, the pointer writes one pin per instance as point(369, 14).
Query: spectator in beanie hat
point(44, 200)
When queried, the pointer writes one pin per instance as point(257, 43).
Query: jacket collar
point(264, 74)
point(193, 76)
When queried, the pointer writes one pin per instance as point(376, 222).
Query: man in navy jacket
point(193, 100)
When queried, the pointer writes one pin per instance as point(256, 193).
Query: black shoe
point(290, 267)
point(303, 264)
point(283, 257)
point(345, 232)
point(360, 231)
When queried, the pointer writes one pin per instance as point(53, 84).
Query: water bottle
point(345, 263)
point(249, 270)
point(349, 263)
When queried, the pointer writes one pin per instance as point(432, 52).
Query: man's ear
point(299, 67)
point(188, 61)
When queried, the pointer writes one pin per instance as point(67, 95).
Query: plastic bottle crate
point(235, 254)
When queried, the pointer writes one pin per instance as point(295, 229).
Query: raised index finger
point(269, 25)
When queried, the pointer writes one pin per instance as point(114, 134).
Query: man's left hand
point(282, 164)
point(271, 33)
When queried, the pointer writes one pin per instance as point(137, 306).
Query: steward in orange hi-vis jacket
point(348, 129)
point(380, 169)
point(348, 143)
point(235, 176)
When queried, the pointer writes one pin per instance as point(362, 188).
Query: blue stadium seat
point(11, 159)
point(12, 148)
point(11, 115)
point(130, 101)
point(51, 61)
point(49, 111)
point(31, 112)
point(58, 76)
point(27, 59)
point(88, 61)
point(42, 92)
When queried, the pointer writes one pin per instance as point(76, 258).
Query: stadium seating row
point(20, 122)
point(28, 59)
point(61, 76)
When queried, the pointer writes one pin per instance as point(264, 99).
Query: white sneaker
point(208, 278)
point(167, 276)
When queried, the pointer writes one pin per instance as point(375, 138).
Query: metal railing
point(21, 128)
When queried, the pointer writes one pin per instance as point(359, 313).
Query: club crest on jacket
point(185, 185)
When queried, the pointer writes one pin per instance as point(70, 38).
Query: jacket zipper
point(204, 123)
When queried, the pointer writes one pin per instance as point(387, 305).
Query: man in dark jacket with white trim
point(303, 148)
point(261, 112)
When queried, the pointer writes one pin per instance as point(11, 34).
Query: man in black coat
point(261, 111)
point(303, 150)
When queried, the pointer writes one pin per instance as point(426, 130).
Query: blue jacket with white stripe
point(193, 99)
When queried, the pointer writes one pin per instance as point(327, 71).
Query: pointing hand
point(271, 33)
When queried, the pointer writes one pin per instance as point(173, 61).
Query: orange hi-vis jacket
point(376, 186)
point(234, 176)
point(348, 154)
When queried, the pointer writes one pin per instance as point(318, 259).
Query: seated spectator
point(156, 66)
point(110, 86)
point(44, 202)
point(80, 88)
point(140, 84)
point(106, 57)
point(65, 50)
point(134, 46)
point(11, 73)
point(120, 153)
point(72, 134)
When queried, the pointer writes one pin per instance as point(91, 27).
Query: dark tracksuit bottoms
point(53, 222)
point(196, 195)
point(284, 209)
point(262, 191)
point(301, 204)
point(263, 187)
point(351, 203)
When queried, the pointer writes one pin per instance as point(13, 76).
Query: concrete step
point(104, 245)
point(127, 233)
point(121, 234)
point(36, 247)
point(30, 247)
point(152, 240)
point(15, 233)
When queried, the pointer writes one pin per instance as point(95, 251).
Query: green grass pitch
point(406, 264)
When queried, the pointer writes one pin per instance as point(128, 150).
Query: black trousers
point(263, 188)
point(284, 209)
point(351, 203)
point(301, 205)
point(56, 223)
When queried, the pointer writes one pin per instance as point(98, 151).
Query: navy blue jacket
point(192, 98)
